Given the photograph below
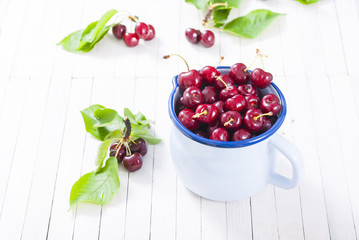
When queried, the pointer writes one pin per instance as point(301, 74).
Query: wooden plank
point(338, 203)
point(23, 162)
point(38, 213)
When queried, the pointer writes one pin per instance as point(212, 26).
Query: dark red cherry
point(193, 35)
point(186, 118)
point(220, 105)
point(252, 101)
point(225, 93)
point(207, 38)
point(133, 162)
point(212, 126)
point(237, 103)
point(192, 97)
point(209, 73)
point(253, 120)
point(201, 133)
point(260, 78)
point(151, 33)
point(121, 153)
point(139, 146)
point(248, 89)
point(206, 113)
point(210, 95)
point(142, 30)
point(131, 39)
point(231, 120)
point(241, 134)
point(271, 103)
point(191, 78)
point(267, 124)
point(223, 81)
point(238, 74)
point(220, 134)
point(119, 30)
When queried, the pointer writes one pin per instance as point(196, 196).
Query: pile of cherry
point(132, 157)
point(142, 31)
point(195, 36)
point(226, 107)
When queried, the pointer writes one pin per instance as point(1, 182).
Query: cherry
point(210, 95)
point(271, 103)
point(121, 153)
point(220, 134)
point(142, 30)
point(192, 78)
point(201, 133)
point(228, 92)
point(119, 30)
point(192, 97)
point(267, 124)
point(248, 89)
point(208, 74)
point(207, 38)
point(253, 120)
point(193, 35)
point(260, 78)
point(131, 39)
point(133, 162)
point(223, 81)
point(241, 134)
point(239, 73)
point(220, 105)
point(186, 118)
point(231, 119)
point(206, 113)
point(212, 126)
point(151, 33)
point(252, 101)
point(236, 103)
point(139, 146)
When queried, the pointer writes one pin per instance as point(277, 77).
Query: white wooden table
point(313, 53)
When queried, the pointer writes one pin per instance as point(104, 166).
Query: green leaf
point(102, 153)
point(138, 119)
point(220, 16)
point(107, 117)
point(251, 25)
point(307, 1)
point(115, 134)
point(90, 120)
point(199, 4)
point(72, 41)
point(231, 3)
point(97, 187)
point(140, 131)
point(87, 47)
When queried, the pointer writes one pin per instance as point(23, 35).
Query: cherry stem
point(264, 114)
point(133, 19)
point(210, 11)
point(128, 128)
point(205, 112)
point(219, 78)
point(118, 147)
point(228, 122)
point(168, 56)
point(260, 55)
point(220, 62)
point(211, 7)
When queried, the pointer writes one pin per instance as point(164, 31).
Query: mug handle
point(295, 158)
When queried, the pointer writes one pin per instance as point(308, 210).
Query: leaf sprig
point(108, 126)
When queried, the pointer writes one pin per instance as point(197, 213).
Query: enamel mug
point(229, 171)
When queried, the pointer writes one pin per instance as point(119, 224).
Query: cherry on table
point(131, 39)
point(223, 81)
point(241, 134)
point(231, 119)
point(228, 92)
point(193, 35)
point(142, 30)
point(206, 113)
point(237, 103)
point(121, 152)
point(207, 38)
point(271, 103)
point(186, 118)
point(248, 89)
point(151, 33)
point(261, 78)
point(133, 162)
point(192, 97)
point(221, 106)
point(119, 30)
point(220, 134)
point(210, 95)
point(239, 73)
point(139, 146)
point(209, 74)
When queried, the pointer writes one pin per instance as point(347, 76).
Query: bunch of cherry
point(226, 107)
point(142, 31)
point(195, 36)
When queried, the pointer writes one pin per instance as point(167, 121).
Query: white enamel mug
point(229, 171)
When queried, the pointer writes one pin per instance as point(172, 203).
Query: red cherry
point(151, 33)
point(225, 93)
point(131, 39)
point(231, 120)
point(209, 73)
point(236, 103)
point(206, 113)
point(260, 78)
point(253, 120)
point(119, 30)
point(220, 134)
point(207, 38)
point(186, 118)
point(241, 134)
point(210, 95)
point(133, 162)
point(248, 89)
point(191, 78)
point(193, 35)
point(201, 133)
point(223, 81)
point(121, 153)
point(252, 101)
point(142, 30)
point(212, 126)
point(192, 97)
point(220, 105)
point(238, 74)
point(271, 103)
point(139, 146)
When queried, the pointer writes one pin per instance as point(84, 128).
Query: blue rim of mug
point(230, 144)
